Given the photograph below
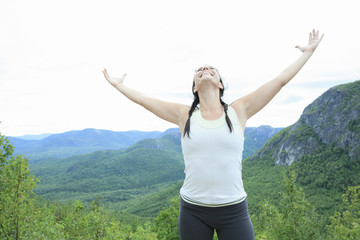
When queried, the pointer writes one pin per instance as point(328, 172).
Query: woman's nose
point(205, 68)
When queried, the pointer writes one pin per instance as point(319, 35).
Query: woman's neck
point(210, 104)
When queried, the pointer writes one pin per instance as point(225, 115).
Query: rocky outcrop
point(333, 118)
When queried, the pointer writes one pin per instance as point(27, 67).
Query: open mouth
point(206, 72)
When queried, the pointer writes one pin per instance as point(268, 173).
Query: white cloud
point(52, 54)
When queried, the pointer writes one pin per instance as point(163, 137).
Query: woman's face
point(208, 74)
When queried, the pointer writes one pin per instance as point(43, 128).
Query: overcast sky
point(52, 54)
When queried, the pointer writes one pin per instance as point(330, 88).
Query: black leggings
point(230, 222)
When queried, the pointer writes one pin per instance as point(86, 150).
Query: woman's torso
point(212, 157)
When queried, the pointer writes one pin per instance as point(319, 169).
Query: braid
point(228, 122)
point(197, 101)
point(192, 109)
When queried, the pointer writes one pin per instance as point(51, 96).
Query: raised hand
point(115, 81)
point(314, 41)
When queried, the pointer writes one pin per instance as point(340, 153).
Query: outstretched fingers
point(314, 41)
point(115, 81)
point(106, 75)
point(314, 35)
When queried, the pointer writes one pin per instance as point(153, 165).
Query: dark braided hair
point(194, 106)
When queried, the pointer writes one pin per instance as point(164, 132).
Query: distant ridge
point(255, 137)
point(63, 145)
point(33, 136)
point(75, 142)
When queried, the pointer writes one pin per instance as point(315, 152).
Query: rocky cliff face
point(333, 118)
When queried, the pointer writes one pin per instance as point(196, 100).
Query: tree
point(143, 233)
point(295, 220)
point(166, 223)
point(16, 183)
point(20, 218)
point(346, 225)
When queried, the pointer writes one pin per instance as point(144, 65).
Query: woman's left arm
point(252, 103)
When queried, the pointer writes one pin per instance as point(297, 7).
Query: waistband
point(186, 199)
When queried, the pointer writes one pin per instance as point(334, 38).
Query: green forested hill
point(323, 147)
point(121, 176)
point(115, 175)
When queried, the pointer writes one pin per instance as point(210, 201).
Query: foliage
point(331, 168)
point(346, 225)
point(149, 205)
point(143, 233)
point(326, 175)
point(262, 179)
point(15, 185)
point(25, 217)
point(166, 223)
point(21, 218)
point(115, 175)
point(295, 220)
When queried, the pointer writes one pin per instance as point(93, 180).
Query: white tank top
point(212, 157)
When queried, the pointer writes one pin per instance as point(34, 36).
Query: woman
point(212, 196)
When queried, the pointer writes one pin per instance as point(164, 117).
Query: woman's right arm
point(171, 112)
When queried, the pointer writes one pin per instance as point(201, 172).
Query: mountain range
point(75, 142)
point(62, 145)
point(323, 148)
point(148, 166)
